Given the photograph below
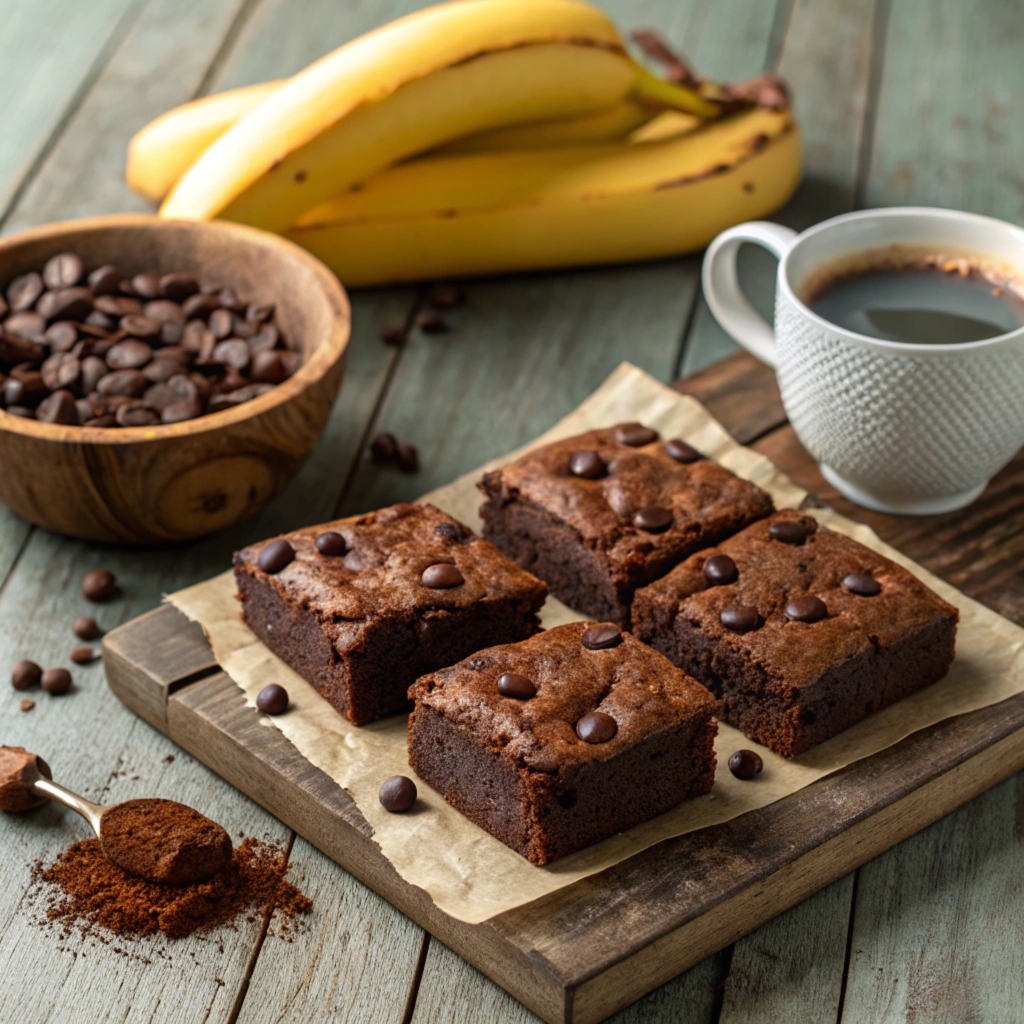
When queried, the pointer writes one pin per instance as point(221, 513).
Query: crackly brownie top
point(794, 597)
point(630, 494)
point(616, 695)
point(393, 562)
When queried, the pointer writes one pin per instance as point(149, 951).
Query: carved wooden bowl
point(152, 485)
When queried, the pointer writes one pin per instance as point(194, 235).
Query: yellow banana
point(417, 83)
point(472, 214)
point(160, 153)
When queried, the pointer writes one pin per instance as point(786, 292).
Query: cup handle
point(722, 287)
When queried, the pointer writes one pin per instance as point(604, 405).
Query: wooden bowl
point(151, 485)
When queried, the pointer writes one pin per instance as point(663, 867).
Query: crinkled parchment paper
point(472, 876)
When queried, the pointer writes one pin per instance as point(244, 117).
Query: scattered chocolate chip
point(85, 627)
point(408, 458)
point(391, 335)
point(25, 674)
point(653, 519)
point(63, 270)
point(275, 556)
point(83, 655)
point(596, 727)
point(602, 636)
point(720, 569)
point(442, 575)
point(397, 794)
point(56, 680)
point(788, 532)
point(99, 585)
point(27, 705)
point(431, 322)
point(587, 464)
point(862, 584)
point(682, 452)
point(635, 434)
point(331, 544)
point(805, 608)
point(740, 618)
point(745, 764)
point(512, 684)
point(272, 700)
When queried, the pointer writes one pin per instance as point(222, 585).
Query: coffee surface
point(923, 305)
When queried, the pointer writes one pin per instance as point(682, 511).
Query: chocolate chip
point(602, 636)
point(442, 575)
point(512, 684)
point(58, 408)
point(635, 434)
point(63, 270)
point(653, 519)
point(596, 727)
point(408, 458)
point(178, 287)
point(272, 700)
point(788, 532)
point(740, 618)
point(397, 794)
point(275, 556)
point(745, 764)
point(99, 585)
point(129, 354)
point(56, 680)
point(384, 448)
point(85, 627)
point(587, 464)
point(23, 291)
point(862, 584)
point(431, 322)
point(331, 544)
point(391, 335)
point(25, 674)
point(104, 280)
point(147, 285)
point(682, 452)
point(454, 533)
point(720, 569)
point(805, 608)
point(83, 655)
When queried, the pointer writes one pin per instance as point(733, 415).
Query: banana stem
point(651, 89)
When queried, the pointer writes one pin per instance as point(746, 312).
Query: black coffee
point(920, 304)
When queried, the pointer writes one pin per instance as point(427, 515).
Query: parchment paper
point(472, 876)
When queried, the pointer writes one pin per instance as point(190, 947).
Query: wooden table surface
point(900, 101)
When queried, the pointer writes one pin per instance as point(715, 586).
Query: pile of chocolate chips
point(100, 350)
point(83, 890)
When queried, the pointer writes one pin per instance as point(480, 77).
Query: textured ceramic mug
point(894, 426)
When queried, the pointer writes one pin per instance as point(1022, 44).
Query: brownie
point(499, 736)
point(364, 605)
point(602, 513)
point(801, 631)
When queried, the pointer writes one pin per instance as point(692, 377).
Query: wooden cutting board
point(584, 952)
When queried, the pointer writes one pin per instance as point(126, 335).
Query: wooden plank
point(936, 933)
point(826, 60)
point(599, 944)
point(49, 53)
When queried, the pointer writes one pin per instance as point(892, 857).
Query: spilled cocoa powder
point(83, 890)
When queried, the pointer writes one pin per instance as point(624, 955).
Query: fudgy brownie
point(562, 740)
point(602, 513)
point(362, 606)
point(801, 631)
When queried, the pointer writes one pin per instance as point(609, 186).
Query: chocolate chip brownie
point(362, 606)
point(602, 513)
point(562, 740)
point(801, 631)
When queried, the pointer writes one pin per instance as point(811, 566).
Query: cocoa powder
point(82, 889)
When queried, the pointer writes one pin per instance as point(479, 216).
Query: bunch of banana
point(474, 137)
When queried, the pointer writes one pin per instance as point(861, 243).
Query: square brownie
point(362, 606)
point(602, 513)
point(801, 631)
point(562, 740)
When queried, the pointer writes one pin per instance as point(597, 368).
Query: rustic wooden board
point(590, 949)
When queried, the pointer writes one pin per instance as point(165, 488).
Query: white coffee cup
point(894, 426)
